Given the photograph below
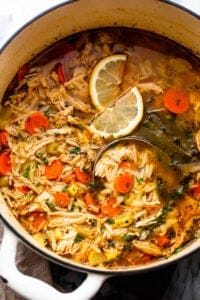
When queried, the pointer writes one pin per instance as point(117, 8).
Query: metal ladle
point(185, 168)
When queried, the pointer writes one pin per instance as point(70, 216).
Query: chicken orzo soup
point(138, 207)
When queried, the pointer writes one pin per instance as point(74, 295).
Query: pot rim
point(57, 6)
point(85, 269)
point(70, 264)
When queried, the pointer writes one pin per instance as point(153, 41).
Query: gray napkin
point(28, 263)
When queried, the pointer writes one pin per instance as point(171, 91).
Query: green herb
point(111, 244)
point(139, 180)
point(38, 184)
point(127, 238)
point(75, 150)
point(181, 189)
point(177, 193)
point(160, 183)
point(95, 185)
point(110, 221)
point(177, 250)
point(41, 155)
point(37, 164)
point(93, 222)
point(127, 247)
point(48, 111)
point(80, 126)
point(51, 205)
point(64, 189)
point(30, 194)
point(73, 207)
point(79, 238)
point(26, 173)
point(45, 161)
point(162, 218)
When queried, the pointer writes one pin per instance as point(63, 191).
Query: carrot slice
point(176, 101)
point(123, 183)
point(35, 121)
point(89, 200)
point(162, 241)
point(145, 258)
point(61, 199)
point(53, 170)
point(69, 177)
point(124, 164)
point(23, 189)
point(4, 138)
point(5, 164)
point(109, 208)
point(59, 69)
point(196, 192)
point(37, 218)
point(82, 175)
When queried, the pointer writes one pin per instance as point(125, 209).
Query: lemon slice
point(121, 118)
point(105, 80)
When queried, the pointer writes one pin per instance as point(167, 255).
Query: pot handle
point(36, 289)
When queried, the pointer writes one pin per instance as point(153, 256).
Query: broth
point(138, 208)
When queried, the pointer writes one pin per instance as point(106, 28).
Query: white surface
point(14, 13)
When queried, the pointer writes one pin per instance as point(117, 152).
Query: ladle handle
point(33, 288)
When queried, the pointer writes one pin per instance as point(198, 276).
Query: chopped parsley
point(92, 222)
point(111, 244)
point(80, 126)
point(26, 173)
point(181, 189)
point(139, 180)
point(95, 185)
point(75, 150)
point(110, 221)
point(41, 155)
point(64, 189)
point(162, 218)
point(79, 238)
point(48, 112)
point(160, 183)
point(51, 205)
point(177, 250)
point(127, 238)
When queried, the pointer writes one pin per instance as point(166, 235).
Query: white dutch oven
point(74, 16)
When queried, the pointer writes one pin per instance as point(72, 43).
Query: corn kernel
point(58, 233)
point(72, 189)
point(41, 238)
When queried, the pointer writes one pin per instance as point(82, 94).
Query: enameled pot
point(161, 17)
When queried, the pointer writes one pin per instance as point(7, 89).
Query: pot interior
point(76, 16)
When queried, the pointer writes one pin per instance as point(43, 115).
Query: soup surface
point(136, 206)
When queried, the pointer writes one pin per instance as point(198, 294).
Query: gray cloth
point(28, 263)
point(185, 282)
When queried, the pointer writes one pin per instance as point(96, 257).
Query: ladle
point(185, 168)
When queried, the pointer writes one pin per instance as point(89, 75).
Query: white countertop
point(14, 13)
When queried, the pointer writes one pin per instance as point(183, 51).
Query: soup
point(136, 207)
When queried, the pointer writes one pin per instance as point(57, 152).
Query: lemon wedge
point(105, 80)
point(120, 118)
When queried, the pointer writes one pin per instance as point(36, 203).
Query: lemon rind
point(133, 124)
point(99, 66)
